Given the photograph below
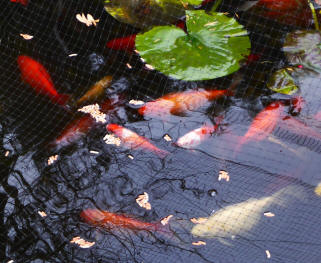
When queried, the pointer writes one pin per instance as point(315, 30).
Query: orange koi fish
point(181, 102)
point(132, 140)
point(34, 74)
point(74, 131)
point(96, 91)
point(79, 127)
point(263, 124)
point(23, 2)
point(110, 220)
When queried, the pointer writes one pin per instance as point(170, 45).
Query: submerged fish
point(74, 131)
point(112, 220)
point(239, 219)
point(34, 74)
point(181, 102)
point(194, 138)
point(263, 124)
point(123, 43)
point(96, 91)
point(132, 140)
point(23, 2)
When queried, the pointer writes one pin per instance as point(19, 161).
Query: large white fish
point(239, 219)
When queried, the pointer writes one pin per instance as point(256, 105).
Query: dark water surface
point(184, 184)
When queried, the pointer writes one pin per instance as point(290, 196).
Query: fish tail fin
point(162, 153)
point(63, 99)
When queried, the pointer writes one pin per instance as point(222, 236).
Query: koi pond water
point(160, 131)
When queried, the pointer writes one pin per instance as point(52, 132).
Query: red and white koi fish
point(112, 220)
point(181, 102)
point(23, 2)
point(263, 124)
point(123, 43)
point(194, 138)
point(34, 74)
point(132, 140)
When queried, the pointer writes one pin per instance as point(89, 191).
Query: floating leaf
point(146, 13)
point(212, 47)
point(304, 47)
point(282, 82)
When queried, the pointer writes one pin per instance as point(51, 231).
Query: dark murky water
point(184, 184)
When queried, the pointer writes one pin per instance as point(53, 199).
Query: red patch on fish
point(132, 140)
point(252, 58)
point(181, 102)
point(123, 43)
point(263, 124)
point(37, 77)
point(23, 2)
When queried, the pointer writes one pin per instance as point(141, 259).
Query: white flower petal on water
point(52, 159)
point(95, 112)
point(136, 102)
point(111, 139)
point(142, 201)
point(42, 213)
point(82, 243)
point(26, 36)
point(166, 219)
point(73, 55)
point(199, 243)
point(268, 254)
point(223, 175)
point(167, 138)
point(7, 153)
point(269, 214)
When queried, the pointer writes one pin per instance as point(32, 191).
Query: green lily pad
point(303, 47)
point(212, 47)
point(147, 13)
point(282, 82)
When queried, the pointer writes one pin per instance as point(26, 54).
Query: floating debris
point(52, 159)
point(10, 261)
point(42, 213)
point(94, 111)
point(7, 153)
point(199, 243)
point(129, 66)
point(130, 156)
point(150, 67)
point(223, 175)
point(136, 102)
point(142, 201)
point(82, 243)
point(26, 36)
point(89, 20)
point(167, 138)
point(94, 152)
point(166, 219)
point(269, 214)
point(111, 139)
point(268, 254)
point(199, 220)
point(73, 55)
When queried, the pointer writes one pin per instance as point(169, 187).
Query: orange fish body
point(132, 140)
point(263, 124)
point(181, 102)
point(23, 2)
point(37, 77)
point(96, 91)
point(110, 220)
point(74, 131)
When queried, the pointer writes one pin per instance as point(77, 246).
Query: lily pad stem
point(314, 15)
point(216, 5)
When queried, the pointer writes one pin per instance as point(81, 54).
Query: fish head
point(112, 127)
point(93, 216)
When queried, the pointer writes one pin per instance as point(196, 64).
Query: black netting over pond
point(160, 131)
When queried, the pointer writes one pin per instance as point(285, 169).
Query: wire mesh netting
point(160, 131)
